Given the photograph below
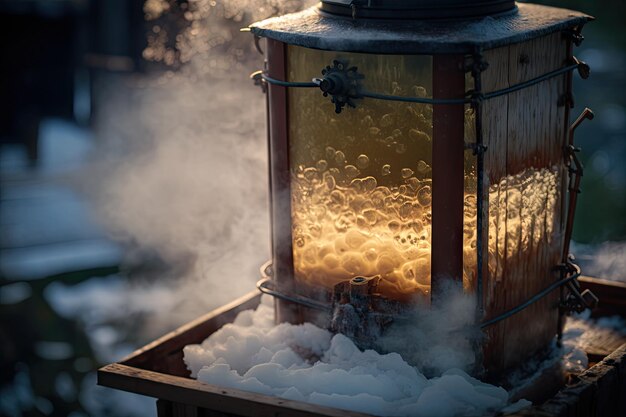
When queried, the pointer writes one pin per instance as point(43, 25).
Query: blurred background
point(133, 180)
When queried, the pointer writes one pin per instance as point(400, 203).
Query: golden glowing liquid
point(361, 186)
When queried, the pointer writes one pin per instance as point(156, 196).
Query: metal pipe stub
point(416, 9)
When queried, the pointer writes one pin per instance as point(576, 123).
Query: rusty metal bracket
point(574, 35)
point(257, 78)
point(583, 68)
point(566, 99)
point(576, 301)
point(575, 169)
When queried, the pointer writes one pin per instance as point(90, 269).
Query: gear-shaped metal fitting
point(342, 83)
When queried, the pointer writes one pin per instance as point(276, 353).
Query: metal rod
point(535, 298)
point(264, 283)
point(480, 172)
point(473, 95)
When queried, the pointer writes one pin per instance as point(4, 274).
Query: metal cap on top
point(416, 9)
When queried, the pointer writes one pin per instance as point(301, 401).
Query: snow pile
point(581, 331)
point(306, 363)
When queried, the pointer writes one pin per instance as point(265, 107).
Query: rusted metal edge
point(200, 394)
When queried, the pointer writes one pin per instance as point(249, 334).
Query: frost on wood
point(306, 363)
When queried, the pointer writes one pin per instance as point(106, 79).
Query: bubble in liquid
point(299, 241)
point(340, 157)
point(367, 121)
point(385, 264)
point(362, 161)
point(422, 270)
point(321, 165)
point(407, 271)
point(315, 230)
point(413, 183)
point(330, 182)
point(422, 167)
point(330, 152)
point(331, 261)
point(311, 174)
point(374, 131)
point(337, 197)
point(351, 171)
point(334, 171)
point(378, 199)
point(353, 263)
point(309, 255)
point(396, 133)
point(369, 184)
point(354, 239)
point(386, 170)
point(371, 255)
point(394, 225)
point(386, 120)
point(362, 223)
point(370, 216)
point(419, 91)
point(400, 148)
point(405, 211)
point(425, 196)
point(418, 135)
point(406, 172)
point(417, 226)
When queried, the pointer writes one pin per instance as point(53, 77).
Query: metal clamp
point(575, 170)
point(257, 78)
point(576, 301)
point(343, 83)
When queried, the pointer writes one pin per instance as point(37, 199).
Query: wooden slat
point(448, 177)
point(192, 392)
point(165, 354)
point(495, 133)
point(213, 401)
point(525, 134)
point(598, 392)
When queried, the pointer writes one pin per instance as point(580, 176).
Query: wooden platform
point(157, 370)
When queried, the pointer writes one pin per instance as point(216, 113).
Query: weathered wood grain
point(525, 134)
point(196, 394)
point(181, 395)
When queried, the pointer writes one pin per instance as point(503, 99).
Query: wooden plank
point(612, 295)
point(165, 353)
point(164, 408)
point(192, 392)
point(209, 400)
point(280, 177)
point(448, 177)
point(495, 133)
point(600, 391)
point(525, 215)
